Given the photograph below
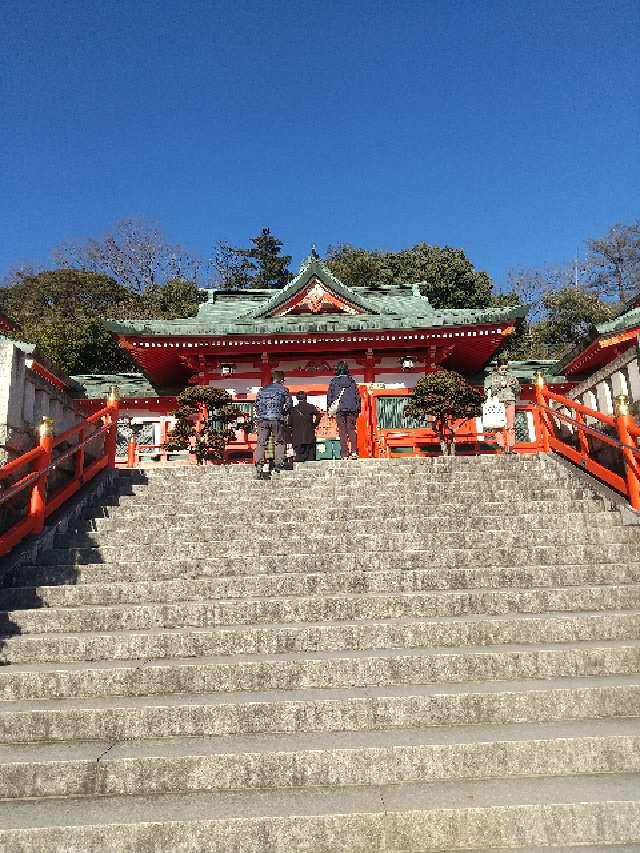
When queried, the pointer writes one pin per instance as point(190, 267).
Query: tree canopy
point(60, 311)
point(445, 275)
point(135, 253)
point(443, 397)
point(613, 264)
point(260, 265)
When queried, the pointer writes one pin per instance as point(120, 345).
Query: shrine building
point(389, 334)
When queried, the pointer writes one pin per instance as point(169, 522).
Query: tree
point(355, 267)
point(233, 272)
point(172, 300)
point(262, 265)
point(445, 275)
point(60, 311)
point(613, 266)
point(79, 347)
point(135, 253)
point(533, 284)
point(272, 268)
point(62, 294)
point(443, 397)
point(207, 444)
point(570, 317)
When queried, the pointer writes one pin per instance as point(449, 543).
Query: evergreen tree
point(271, 267)
point(261, 265)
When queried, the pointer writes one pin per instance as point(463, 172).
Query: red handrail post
point(540, 402)
point(111, 437)
point(583, 440)
point(624, 421)
point(79, 456)
point(38, 503)
point(132, 451)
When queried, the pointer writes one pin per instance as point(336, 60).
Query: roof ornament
point(314, 252)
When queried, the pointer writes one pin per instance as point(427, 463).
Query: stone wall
point(25, 397)
point(621, 376)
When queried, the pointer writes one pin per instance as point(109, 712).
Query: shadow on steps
point(19, 584)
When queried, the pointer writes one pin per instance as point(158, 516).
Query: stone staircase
point(406, 655)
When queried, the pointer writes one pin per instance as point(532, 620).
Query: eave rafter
point(174, 359)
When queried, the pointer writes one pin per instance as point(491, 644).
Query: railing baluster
point(38, 502)
point(79, 456)
point(623, 419)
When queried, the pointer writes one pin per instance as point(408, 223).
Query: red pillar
point(265, 369)
point(369, 366)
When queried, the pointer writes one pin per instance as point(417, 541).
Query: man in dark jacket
point(303, 421)
point(344, 391)
point(273, 404)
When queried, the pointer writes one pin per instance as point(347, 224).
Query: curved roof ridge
point(311, 267)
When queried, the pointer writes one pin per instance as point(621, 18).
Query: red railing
point(606, 446)
point(377, 441)
point(43, 459)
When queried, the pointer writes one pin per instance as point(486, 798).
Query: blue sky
point(508, 128)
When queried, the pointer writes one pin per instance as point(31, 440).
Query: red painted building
point(389, 335)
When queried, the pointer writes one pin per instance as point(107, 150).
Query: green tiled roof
point(624, 321)
point(524, 371)
point(244, 312)
point(96, 386)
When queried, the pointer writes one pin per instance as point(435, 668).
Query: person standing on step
point(304, 420)
point(503, 385)
point(343, 403)
point(273, 404)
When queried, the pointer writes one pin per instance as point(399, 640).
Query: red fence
point(606, 446)
point(34, 470)
point(375, 440)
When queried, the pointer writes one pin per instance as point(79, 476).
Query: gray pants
point(346, 423)
point(265, 429)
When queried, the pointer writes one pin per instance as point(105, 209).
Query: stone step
point(222, 510)
point(329, 520)
point(446, 555)
point(320, 608)
point(257, 492)
point(596, 811)
point(97, 591)
point(332, 537)
point(299, 485)
point(374, 470)
point(587, 810)
point(315, 570)
point(294, 761)
point(115, 719)
point(161, 643)
point(396, 463)
point(324, 669)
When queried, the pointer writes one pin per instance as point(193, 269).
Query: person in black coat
point(344, 392)
point(304, 419)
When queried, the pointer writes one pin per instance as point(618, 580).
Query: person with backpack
point(343, 403)
point(273, 404)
